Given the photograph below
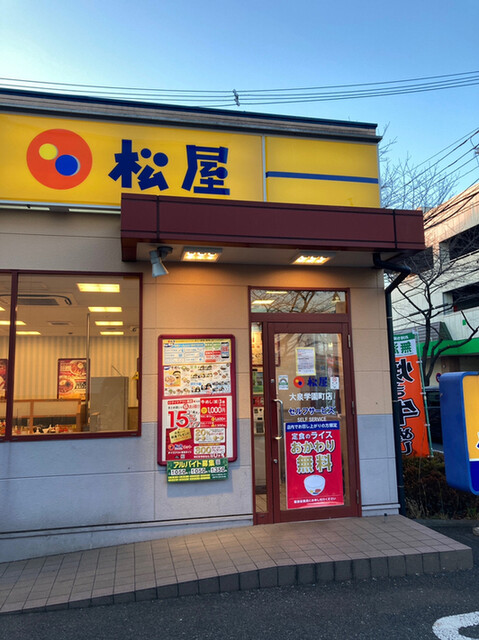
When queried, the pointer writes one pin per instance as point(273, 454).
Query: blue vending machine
point(460, 429)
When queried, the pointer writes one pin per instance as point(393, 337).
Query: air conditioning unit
point(43, 300)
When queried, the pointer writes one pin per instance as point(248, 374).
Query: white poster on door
point(305, 361)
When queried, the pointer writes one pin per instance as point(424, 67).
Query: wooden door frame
point(317, 323)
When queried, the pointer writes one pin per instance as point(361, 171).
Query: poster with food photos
point(72, 379)
point(196, 398)
point(3, 376)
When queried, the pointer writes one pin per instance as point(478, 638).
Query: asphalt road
point(400, 608)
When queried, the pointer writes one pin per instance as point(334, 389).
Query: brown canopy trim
point(166, 219)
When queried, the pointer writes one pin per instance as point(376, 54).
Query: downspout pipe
point(403, 274)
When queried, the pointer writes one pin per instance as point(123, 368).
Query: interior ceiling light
point(96, 287)
point(112, 333)
point(262, 302)
point(277, 292)
point(109, 323)
point(28, 333)
point(201, 254)
point(105, 309)
point(336, 297)
point(156, 259)
point(6, 323)
point(312, 257)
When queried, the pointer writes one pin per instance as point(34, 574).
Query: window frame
point(9, 436)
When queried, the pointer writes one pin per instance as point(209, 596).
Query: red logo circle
point(59, 159)
point(298, 382)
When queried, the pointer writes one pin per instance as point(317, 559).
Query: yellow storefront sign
point(321, 172)
point(91, 163)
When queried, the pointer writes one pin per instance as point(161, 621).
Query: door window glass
point(257, 367)
point(313, 465)
point(297, 301)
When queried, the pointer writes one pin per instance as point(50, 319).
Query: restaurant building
point(192, 327)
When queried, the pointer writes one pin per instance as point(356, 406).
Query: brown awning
point(202, 221)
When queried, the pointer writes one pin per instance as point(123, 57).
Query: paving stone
point(268, 577)
point(379, 567)
point(229, 582)
point(286, 575)
point(79, 604)
point(343, 570)
point(430, 562)
point(396, 566)
point(100, 601)
point(361, 568)
point(209, 585)
point(464, 559)
point(306, 573)
point(414, 564)
point(167, 591)
point(325, 572)
point(127, 596)
point(60, 606)
point(189, 588)
point(249, 580)
point(146, 594)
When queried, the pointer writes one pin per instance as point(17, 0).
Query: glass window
point(261, 495)
point(5, 305)
point(295, 301)
point(76, 355)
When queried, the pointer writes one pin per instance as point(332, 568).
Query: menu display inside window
point(196, 398)
point(3, 376)
point(71, 383)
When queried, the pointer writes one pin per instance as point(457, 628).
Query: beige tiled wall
point(213, 299)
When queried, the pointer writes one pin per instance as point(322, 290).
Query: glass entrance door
point(310, 466)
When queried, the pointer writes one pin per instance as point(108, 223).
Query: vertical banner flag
point(413, 418)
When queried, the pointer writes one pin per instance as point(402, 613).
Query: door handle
point(281, 419)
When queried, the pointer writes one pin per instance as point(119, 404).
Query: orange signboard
point(413, 417)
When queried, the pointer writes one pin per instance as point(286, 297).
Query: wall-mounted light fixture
point(156, 258)
point(312, 258)
point(201, 254)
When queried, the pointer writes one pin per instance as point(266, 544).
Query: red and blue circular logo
point(59, 159)
point(298, 382)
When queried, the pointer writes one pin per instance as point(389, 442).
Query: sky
point(216, 45)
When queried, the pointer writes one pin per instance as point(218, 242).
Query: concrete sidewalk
point(228, 560)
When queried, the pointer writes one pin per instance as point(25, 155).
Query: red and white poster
point(71, 383)
point(195, 428)
point(314, 474)
point(196, 398)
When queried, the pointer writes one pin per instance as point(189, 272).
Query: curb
point(440, 524)
point(393, 566)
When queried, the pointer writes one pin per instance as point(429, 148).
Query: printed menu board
point(196, 399)
point(71, 382)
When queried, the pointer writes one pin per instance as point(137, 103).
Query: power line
point(465, 138)
point(260, 96)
